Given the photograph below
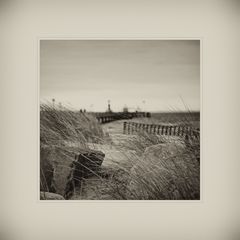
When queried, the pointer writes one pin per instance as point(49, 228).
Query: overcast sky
point(153, 75)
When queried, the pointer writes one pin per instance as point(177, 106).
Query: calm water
point(178, 117)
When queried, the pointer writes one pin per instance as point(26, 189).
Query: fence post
point(154, 129)
point(178, 130)
point(166, 130)
point(182, 131)
point(174, 130)
point(128, 127)
point(148, 128)
point(131, 127)
point(162, 130)
point(151, 128)
point(124, 127)
point(137, 127)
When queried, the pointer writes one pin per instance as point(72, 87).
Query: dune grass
point(59, 126)
point(162, 167)
point(63, 133)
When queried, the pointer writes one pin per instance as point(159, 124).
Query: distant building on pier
point(125, 108)
point(109, 107)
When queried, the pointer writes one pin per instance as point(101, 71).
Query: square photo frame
point(26, 25)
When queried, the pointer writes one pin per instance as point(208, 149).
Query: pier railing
point(168, 130)
point(109, 117)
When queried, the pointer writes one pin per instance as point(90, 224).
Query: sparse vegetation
point(171, 170)
point(63, 133)
point(62, 126)
point(159, 167)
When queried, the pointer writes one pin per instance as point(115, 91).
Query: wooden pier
point(109, 117)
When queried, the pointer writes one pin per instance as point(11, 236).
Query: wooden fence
point(168, 130)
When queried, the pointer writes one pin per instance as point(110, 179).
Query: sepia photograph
point(119, 119)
